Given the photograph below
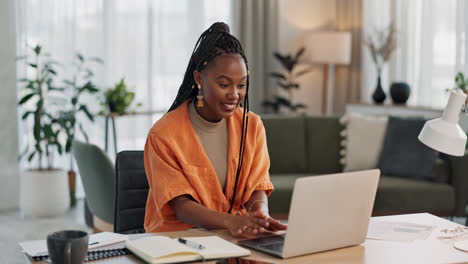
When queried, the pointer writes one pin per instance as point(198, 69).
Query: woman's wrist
point(256, 205)
point(227, 220)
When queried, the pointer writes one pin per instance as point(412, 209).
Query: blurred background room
point(102, 72)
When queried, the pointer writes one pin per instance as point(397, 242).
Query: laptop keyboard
point(277, 247)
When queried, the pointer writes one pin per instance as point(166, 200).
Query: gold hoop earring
point(200, 97)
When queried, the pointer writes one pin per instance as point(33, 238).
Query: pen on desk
point(190, 243)
point(93, 243)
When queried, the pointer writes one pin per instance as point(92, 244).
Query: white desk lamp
point(444, 134)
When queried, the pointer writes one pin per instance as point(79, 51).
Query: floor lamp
point(328, 48)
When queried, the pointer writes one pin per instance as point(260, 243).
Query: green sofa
point(310, 145)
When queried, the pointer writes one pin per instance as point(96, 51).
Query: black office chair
point(131, 192)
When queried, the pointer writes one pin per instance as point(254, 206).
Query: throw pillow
point(403, 155)
point(363, 141)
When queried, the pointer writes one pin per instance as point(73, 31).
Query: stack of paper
point(397, 231)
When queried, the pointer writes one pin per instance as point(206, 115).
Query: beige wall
point(9, 179)
point(296, 19)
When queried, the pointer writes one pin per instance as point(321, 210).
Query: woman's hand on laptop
point(246, 225)
point(273, 224)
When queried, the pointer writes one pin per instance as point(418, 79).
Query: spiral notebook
point(37, 249)
point(94, 255)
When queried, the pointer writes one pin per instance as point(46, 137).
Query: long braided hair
point(215, 41)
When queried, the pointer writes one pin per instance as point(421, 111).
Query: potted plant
point(381, 46)
point(118, 99)
point(80, 84)
point(461, 82)
point(43, 188)
point(287, 81)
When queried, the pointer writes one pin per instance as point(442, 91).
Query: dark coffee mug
point(68, 246)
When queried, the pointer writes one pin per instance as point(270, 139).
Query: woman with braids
point(207, 160)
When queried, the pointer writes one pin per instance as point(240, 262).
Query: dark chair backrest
point(131, 192)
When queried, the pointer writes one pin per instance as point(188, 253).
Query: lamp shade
point(329, 47)
point(444, 134)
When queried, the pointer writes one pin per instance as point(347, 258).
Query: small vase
point(400, 92)
point(379, 95)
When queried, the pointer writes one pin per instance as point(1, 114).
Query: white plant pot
point(44, 193)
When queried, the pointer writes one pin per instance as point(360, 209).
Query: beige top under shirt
point(214, 140)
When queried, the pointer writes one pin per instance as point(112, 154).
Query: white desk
point(431, 250)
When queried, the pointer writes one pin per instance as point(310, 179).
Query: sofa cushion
point(285, 140)
point(441, 171)
point(403, 155)
point(323, 144)
point(363, 138)
point(400, 195)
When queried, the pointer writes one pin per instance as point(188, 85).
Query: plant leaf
point(90, 87)
point(48, 131)
point(59, 147)
point(290, 63)
point(84, 133)
point(85, 110)
point(37, 132)
point(288, 86)
point(68, 145)
point(69, 82)
point(299, 53)
point(278, 75)
point(283, 101)
point(25, 115)
point(56, 89)
point(26, 98)
point(31, 156)
point(52, 71)
point(30, 85)
point(282, 59)
point(302, 73)
point(23, 153)
point(297, 106)
point(37, 49)
point(80, 57)
point(96, 59)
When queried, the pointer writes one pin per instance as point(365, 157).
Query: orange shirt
point(176, 164)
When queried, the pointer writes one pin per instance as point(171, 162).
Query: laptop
point(327, 212)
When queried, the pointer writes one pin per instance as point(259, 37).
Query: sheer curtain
point(431, 49)
point(144, 41)
point(147, 42)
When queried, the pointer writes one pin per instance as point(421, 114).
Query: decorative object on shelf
point(44, 189)
point(118, 99)
point(400, 92)
point(79, 84)
point(381, 46)
point(379, 95)
point(287, 81)
point(329, 48)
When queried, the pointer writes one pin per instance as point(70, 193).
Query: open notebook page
point(160, 249)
